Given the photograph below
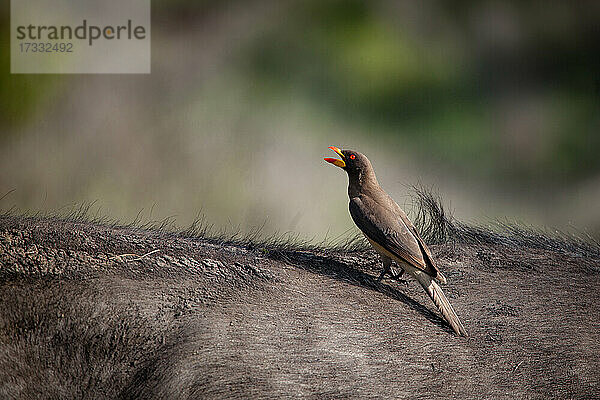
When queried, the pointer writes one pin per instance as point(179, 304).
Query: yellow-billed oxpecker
point(390, 232)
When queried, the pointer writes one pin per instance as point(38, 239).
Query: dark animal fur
point(94, 310)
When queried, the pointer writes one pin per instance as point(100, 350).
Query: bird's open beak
point(335, 161)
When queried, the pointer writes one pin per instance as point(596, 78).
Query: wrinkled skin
point(205, 319)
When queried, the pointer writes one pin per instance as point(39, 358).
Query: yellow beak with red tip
point(335, 161)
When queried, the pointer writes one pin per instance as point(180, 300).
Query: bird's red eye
point(352, 156)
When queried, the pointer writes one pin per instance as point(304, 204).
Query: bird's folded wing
point(424, 248)
point(381, 225)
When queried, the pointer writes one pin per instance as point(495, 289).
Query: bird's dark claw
point(393, 275)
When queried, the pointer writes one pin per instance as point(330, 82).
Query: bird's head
point(353, 162)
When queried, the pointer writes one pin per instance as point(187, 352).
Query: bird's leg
point(387, 270)
point(397, 275)
point(387, 263)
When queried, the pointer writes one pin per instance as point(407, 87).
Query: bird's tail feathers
point(439, 299)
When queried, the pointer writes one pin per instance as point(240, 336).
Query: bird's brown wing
point(427, 253)
point(383, 226)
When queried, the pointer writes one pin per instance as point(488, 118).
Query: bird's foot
point(397, 275)
point(393, 276)
point(397, 279)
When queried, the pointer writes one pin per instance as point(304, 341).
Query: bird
point(391, 233)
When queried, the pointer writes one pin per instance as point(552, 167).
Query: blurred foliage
point(438, 88)
point(435, 82)
point(20, 94)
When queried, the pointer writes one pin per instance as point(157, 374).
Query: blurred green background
point(493, 104)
